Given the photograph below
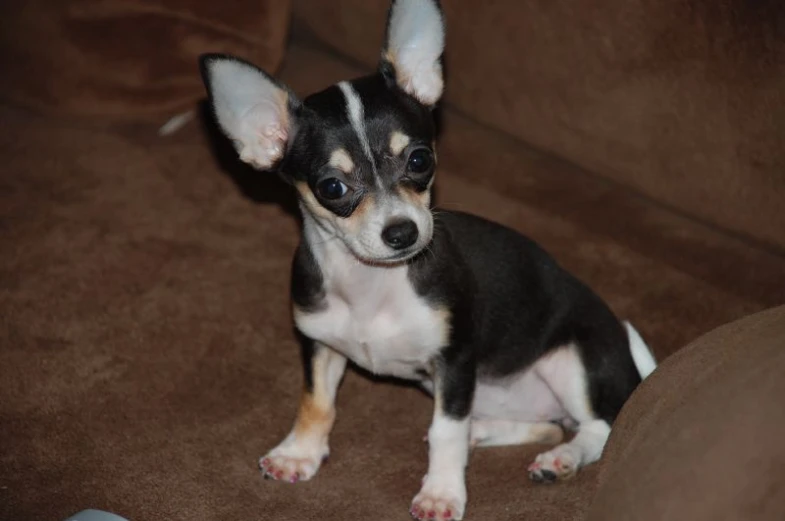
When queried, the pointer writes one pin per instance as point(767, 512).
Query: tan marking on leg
point(314, 417)
point(443, 316)
point(299, 455)
point(316, 414)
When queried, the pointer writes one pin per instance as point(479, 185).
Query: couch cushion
point(683, 101)
point(133, 61)
point(702, 438)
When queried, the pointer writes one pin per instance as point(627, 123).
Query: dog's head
point(361, 152)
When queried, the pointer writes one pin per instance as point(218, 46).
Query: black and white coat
point(512, 347)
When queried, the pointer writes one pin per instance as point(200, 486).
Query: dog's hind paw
point(554, 465)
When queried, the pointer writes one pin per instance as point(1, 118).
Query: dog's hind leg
point(565, 373)
point(494, 433)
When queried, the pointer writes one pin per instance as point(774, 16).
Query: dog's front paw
point(293, 461)
point(556, 464)
point(439, 501)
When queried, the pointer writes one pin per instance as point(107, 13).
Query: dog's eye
point(420, 161)
point(332, 188)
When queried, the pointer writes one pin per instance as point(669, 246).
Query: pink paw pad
point(562, 466)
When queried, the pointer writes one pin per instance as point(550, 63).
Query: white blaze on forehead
point(398, 141)
point(341, 160)
point(354, 108)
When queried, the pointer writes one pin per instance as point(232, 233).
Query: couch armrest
point(701, 439)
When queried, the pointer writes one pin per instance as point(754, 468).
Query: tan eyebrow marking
point(398, 141)
point(341, 160)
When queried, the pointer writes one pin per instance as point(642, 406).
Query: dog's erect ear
point(253, 109)
point(414, 47)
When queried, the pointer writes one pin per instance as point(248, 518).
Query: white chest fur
point(373, 316)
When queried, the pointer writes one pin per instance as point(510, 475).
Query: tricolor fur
point(513, 348)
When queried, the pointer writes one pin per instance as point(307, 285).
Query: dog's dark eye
point(420, 161)
point(332, 188)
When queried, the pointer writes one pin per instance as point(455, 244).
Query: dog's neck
point(363, 286)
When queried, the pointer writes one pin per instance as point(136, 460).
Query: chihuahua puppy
point(511, 346)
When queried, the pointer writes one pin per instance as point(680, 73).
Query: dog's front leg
point(443, 493)
point(300, 454)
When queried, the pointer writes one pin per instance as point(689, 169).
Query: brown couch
point(146, 351)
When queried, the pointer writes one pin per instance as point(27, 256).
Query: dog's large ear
point(256, 112)
point(414, 46)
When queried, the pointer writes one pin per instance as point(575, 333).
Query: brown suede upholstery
point(131, 61)
point(682, 100)
point(147, 355)
point(146, 351)
point(712, 448)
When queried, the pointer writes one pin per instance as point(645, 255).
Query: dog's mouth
point(396, 259)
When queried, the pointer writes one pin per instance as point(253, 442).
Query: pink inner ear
point(424, 82)
point(262, 140)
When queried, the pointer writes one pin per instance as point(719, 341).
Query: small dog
point(511, 346)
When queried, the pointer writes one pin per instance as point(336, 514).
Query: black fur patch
point(518, 304)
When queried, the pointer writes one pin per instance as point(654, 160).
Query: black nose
point(400, 234)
